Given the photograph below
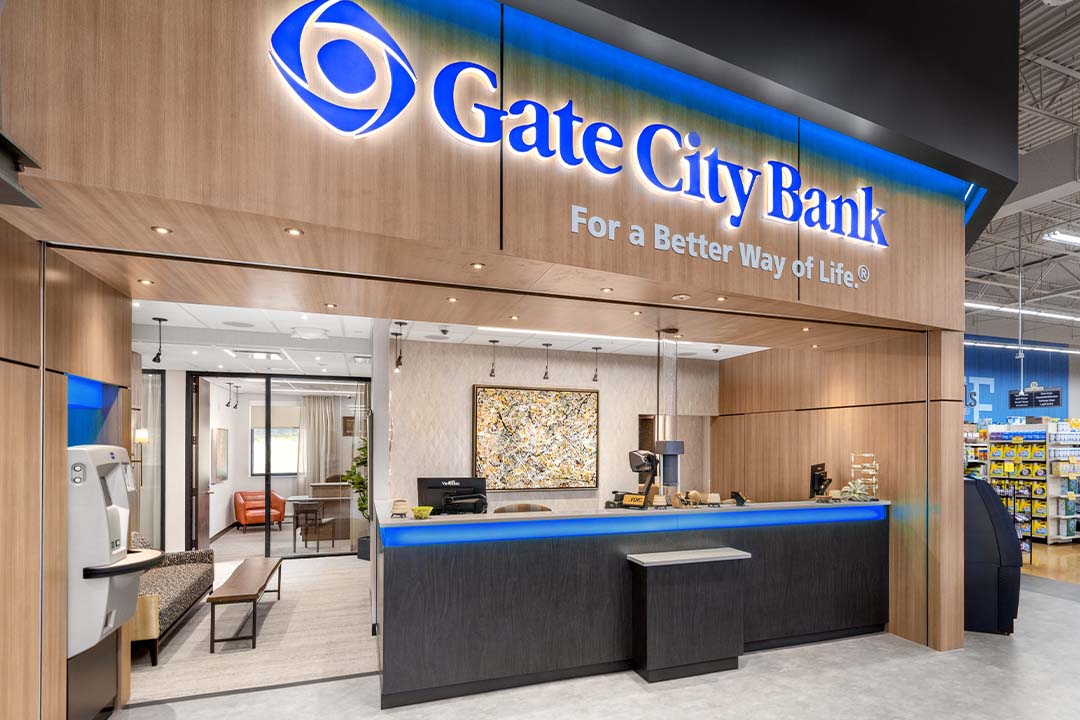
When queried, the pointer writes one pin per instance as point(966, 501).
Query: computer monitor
point(452, 495)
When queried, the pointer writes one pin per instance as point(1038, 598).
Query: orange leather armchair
point(249, 507)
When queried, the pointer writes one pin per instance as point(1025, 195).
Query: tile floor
point(1033, 673)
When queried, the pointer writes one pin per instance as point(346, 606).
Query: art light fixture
point(493, 344)
point(547, 358)
point(159, 321)
point(596, 368)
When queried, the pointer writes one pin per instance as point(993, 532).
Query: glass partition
point(150, 453)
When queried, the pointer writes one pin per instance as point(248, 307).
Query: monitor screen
point(433, 491)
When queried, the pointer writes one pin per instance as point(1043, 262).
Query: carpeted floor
point(320, 628)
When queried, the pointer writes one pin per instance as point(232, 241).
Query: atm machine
point(103, 575)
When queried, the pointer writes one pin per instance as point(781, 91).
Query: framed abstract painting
point(536, 438)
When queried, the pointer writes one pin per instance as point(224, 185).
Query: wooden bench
point(246, 585)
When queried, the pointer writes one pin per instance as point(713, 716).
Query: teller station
point(470, 600)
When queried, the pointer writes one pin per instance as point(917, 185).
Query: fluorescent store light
point(1017, 311)
point(1032, 348)
point(1062, 237)
point(552, 333)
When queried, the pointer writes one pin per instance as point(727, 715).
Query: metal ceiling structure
point(1015, 241)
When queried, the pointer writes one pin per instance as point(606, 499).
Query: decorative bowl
point(421, 512)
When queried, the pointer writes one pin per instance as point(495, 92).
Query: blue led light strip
point(652, 521)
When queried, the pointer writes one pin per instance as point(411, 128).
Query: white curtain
point(319, 433)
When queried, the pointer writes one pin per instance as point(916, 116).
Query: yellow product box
point(1023, 506)
point(1010, 451)
point(1024, 452)
point(997, 451)
point(997, 468)
point(1038, 489)
point(1026, 470)
point(1039, 509)
point(1038, 452)
point(1040, 528)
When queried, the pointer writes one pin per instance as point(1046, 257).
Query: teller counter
point(471, 603)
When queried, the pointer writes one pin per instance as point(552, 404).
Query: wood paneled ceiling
point(190, 281)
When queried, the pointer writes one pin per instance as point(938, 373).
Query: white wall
point(431, 411)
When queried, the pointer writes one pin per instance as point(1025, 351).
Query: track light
point(596, 370)
point(236, 400)
point(493, 344)
point(159, 320)
point(228, 403)
point(547, 357)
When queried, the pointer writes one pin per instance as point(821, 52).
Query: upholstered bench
point(168, 591)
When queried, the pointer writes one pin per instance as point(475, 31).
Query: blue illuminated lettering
point(540, 127)
point(645, 155)
point(443, 95)
point(784, 184)
point(591, 140)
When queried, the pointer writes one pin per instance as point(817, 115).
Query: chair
point(522, 507)
point(992, 561)
point(249, 508)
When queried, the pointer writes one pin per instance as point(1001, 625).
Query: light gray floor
point(237, 544)
point(1034, 673)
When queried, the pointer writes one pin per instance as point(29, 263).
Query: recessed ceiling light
point(324, 369)
point(478, 266)
point(145, 282)
point(814, 347)
point(678, 337)
point(806, 329)
point(329, 305)
point(194, 352)
point(721, 299)
point(317, 358)
point(680, 297)
point(637, 313)
point(303, 317)
point(161, 229)
point(607, 291)
point(514, 317)
point(135, 303)
point(295, 232)
point(451, 299)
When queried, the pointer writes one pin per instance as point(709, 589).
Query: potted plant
point(356, 476)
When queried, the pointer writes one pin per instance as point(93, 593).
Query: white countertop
point(687, 557)
point(382, 509)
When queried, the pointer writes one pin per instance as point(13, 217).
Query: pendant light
point(236, 400)
point(159, 320)
point(398, 361)
point(547, 356)
point(596, 369)
point(228, 403)
point(493, 344)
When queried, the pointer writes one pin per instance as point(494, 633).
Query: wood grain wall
point(54, 585)
point(785, 410)
point(87, 324)
point(20, 301)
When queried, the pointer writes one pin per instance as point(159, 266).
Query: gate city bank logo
point(344, 65)
point(327, 51)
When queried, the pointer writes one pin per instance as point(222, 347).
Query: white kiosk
point(103, 575)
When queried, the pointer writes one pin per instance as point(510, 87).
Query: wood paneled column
point(945, 490)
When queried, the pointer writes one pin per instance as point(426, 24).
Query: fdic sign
point(354, 76)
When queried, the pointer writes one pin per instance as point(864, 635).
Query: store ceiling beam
point(1050, 64)
point(1047, 174)
point(1050, 115)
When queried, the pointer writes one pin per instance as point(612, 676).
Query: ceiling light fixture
point(721, 299)
point(229, 352)
point(194, 352)
point(143, 281)
point(295, 232)
point(159, 321)
point(607, 290)
point(493, 344)
point(220, 366)
point(806, 329)
point(451, 299)
point(478, 266)
point(596, 368)
point(1062, 237)
point(814, 347)
point(331, 306)
point(161, 229)
point(680, 297)
point(514, 317)
point(236, 399)
point(228, 403)
point(398, 360)
point(637, 313)
point(547, 357)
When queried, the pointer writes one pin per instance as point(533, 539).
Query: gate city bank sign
point(352, 74)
